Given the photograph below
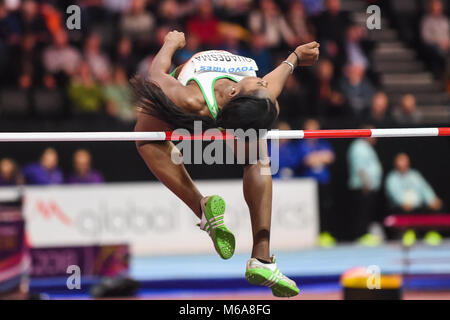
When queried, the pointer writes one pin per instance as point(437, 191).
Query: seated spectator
point(61, 56)
point(53, 17)
point(435, 31)
point(144, 65)
point(315, 157)
point(172, 12)
point(365, 176)
point(288, 155)
point(96, 59)
point(409, 192)
point(192, 47)
point(84, 92)
point(9, 28)
point(205, 25)
point(258, 51)
point(31, 21)
point(83, 172)
point(232, 37)
point(406, 113)
point(357, 88)
point(137, 23)
point(378, 114)
point(118, 96)
point(269, 21)
point(298, 21)
point(25, 59)
point(355, 53)
point(326, 97)
point(9, 173)
point(331, 25)
point(292, 100)
point(125, 56)
point(116, 6)
point(45, 171)
point(313, 7)
point(234, 11)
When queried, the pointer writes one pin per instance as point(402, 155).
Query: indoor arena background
point(56, 79)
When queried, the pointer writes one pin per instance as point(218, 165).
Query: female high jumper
point(221, 90)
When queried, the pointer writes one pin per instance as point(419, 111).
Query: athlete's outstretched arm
point(183, 96)
point(308, 54)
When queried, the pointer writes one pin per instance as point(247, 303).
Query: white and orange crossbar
point(171, 136)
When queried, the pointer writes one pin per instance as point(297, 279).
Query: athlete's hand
point(175, 39)
point(308, 53)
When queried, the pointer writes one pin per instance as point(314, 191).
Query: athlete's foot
point(213, 210)
point(267, 274)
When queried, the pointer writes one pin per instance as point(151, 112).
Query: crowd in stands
point(46, 170)
point(407, 191)
point(88, 69)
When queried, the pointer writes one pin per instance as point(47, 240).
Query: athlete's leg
point(258, 195)
point(157, 156)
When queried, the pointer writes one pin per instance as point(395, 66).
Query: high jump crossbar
point(174, 136)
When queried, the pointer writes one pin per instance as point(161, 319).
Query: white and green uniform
point(206, 67)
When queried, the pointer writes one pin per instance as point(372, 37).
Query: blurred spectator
point(9, 27)
point(137, 23)
point(325, 93)
point(232, 35)
point(144, 65)
point(357, 89)
point(407, 112)
point(45, 171)
point(299, 23)
point(331, 26)
point(269, 21)
point(116, 5)
point(312, 7)
point(61, 56)
point(378, 114)
point(158, 39)
point(407, 189)
point(83, 172)
point(409, 192)
point(125, 56)
point(365, 176)
point(96, 59)
point(192, 47)
point(355, 53)
point(315, 157)
point(52, 17)
point(233, 11)
point(9, 173)
point(288, 155)
point(204, 24)
point(171, 13)
point(31, 22)
point(259, 52)
point(118, 96)
point(84, 92)
point(292, 100)
point(25, 60)
point(436, 35)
